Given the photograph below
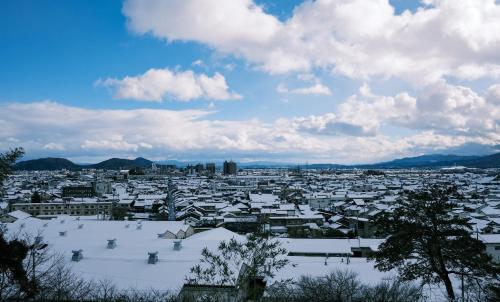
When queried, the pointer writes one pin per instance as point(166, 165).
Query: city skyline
point(334, 81)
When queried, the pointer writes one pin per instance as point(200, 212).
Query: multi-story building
point(78, 191)
point(210, 167)
point(229, 168)
point(64, 208)
point(101, 187)
point(198, 168)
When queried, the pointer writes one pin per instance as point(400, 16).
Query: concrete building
point(101, 187)
point(78, 191)
point(210, 167)
point(65, 208)
point(229, 168)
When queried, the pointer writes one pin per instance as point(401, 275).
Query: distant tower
point(170, 202)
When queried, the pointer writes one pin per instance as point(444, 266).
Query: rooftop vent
point(80, 226)
point(153, 257)
point(62, 221)
point(177, 245)
point(111, 243)
point(22, 225)
point(127, 226)
point(45, 224)
point(62, 233)
point(139, 227)
point(77, 255)
point(77, 218)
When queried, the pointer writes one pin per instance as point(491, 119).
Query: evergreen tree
point(36, 198)
point(427, 241)
point(7, 160)
point(13, 252)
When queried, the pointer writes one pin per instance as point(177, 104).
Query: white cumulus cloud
point(158, 84)
point(440, 108)
point(357, 38)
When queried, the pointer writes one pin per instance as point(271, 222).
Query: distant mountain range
point(51, 163)
point(122, 164)
point(434, 160)
point(440, 160)
point(424, 161)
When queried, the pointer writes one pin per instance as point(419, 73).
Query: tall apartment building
point(229, 168)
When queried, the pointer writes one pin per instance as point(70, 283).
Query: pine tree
point(36, 198)
point(425, 240)
point(13, 252)
point(7, 160)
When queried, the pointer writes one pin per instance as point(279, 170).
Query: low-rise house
point(177, 230)
point(13, 216)
point(362, 226)
point(492, 243)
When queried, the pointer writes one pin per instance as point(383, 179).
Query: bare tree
point(240, 263)
point(393, 290)
point(341, 286)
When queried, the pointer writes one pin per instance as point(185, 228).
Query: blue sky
point(59, 57)
point(57, 49)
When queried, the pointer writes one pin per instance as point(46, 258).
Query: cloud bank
point(457, 117)
point(356, 38)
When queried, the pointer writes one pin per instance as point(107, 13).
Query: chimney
point(111, 243)
point(77, 255)
point(153, 257)
point(177, 244)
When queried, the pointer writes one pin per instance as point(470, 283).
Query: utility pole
point(463, 293)
point(170, 201)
